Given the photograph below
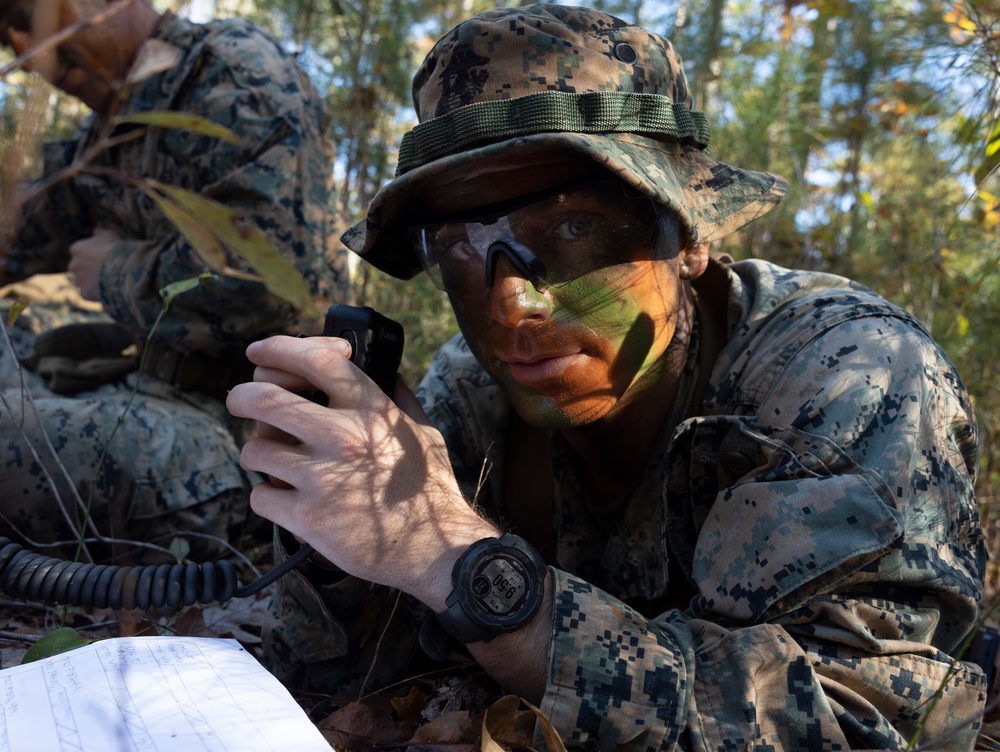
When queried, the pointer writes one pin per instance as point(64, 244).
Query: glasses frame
point(526, 262)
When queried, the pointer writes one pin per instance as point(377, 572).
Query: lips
point(537, 368)
point(540, 371)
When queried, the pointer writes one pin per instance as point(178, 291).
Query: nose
point(513, 300)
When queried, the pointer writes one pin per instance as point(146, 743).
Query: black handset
point(376, 348)
point(376, 343)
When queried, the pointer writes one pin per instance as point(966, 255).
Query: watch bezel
point(465, 619)
point(470, 564)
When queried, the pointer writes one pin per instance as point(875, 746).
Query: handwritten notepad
point(169, 694)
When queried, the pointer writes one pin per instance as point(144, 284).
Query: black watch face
point(499, 585)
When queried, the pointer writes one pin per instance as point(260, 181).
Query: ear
point(695, 258)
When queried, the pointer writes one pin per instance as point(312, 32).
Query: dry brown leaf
point(409, 708)
point(45, 21)
point(361, 724)
point(235, 617)
point(504, 717)
point(155, 56)
point(451, 727)
point(507, 724)
point(190, 623)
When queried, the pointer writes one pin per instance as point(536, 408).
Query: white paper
point(168, 694)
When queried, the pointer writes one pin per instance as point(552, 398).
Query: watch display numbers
point(499, 586)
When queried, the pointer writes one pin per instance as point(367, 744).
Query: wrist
point(438, 584)
point(497, 587)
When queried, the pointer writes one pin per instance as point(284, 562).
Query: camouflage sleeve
point(278, 179)
point(838, 569)
point(48, 223)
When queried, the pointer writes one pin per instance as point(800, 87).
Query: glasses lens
point(568, 233)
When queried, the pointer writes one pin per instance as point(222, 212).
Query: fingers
point(278, 460)
point(305, 363)
point(282, 414)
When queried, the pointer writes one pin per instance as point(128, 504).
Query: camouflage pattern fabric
point(174, 464)
point(797, 570)
point(512, 82)
point(278, 178)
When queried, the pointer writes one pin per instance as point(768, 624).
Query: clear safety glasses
point(551, 238)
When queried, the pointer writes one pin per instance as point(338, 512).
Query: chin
point(546, 412)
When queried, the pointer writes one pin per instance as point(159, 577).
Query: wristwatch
point(498, 586)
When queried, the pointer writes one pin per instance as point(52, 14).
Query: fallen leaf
point(451, 727)
point(503, 717)
point(235, 618)
point(57, 641)
point(361, 724)
point(155, 56)
point(506, 723)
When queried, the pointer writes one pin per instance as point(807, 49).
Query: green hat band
point(590, 112)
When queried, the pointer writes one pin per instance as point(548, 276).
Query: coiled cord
point(44, 578)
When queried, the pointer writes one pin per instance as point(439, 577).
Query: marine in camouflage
point(797, 569)
point(177, 451)
point(801, 562)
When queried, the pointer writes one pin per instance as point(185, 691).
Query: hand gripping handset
point(376, 343)
point(376, 348)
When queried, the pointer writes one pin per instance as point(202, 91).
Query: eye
point(575, 228)
point(458, 251)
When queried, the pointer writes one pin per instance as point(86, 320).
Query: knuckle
point(321, 357)
point(251, 453)
point(264, 399)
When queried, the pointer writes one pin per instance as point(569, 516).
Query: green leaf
point(171, 291)
point(16, 309)
point(993, 143)
point(179, 549)
point(279, 276)
point(963, 325)
point(183, 121)
point(58, 641)
point(201, 238)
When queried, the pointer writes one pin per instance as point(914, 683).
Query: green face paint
point(572, 355)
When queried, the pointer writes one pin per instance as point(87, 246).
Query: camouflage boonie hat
point(515, 81)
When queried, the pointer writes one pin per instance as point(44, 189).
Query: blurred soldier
point(741, 496)
point(172, 467)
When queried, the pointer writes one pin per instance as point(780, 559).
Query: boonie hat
point(515, 81)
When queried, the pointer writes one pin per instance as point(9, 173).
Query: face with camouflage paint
point(578, 353)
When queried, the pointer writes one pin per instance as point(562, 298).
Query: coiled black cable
point(44, 578)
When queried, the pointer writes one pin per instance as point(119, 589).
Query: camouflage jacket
point(279, 178)
point(796, 571)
